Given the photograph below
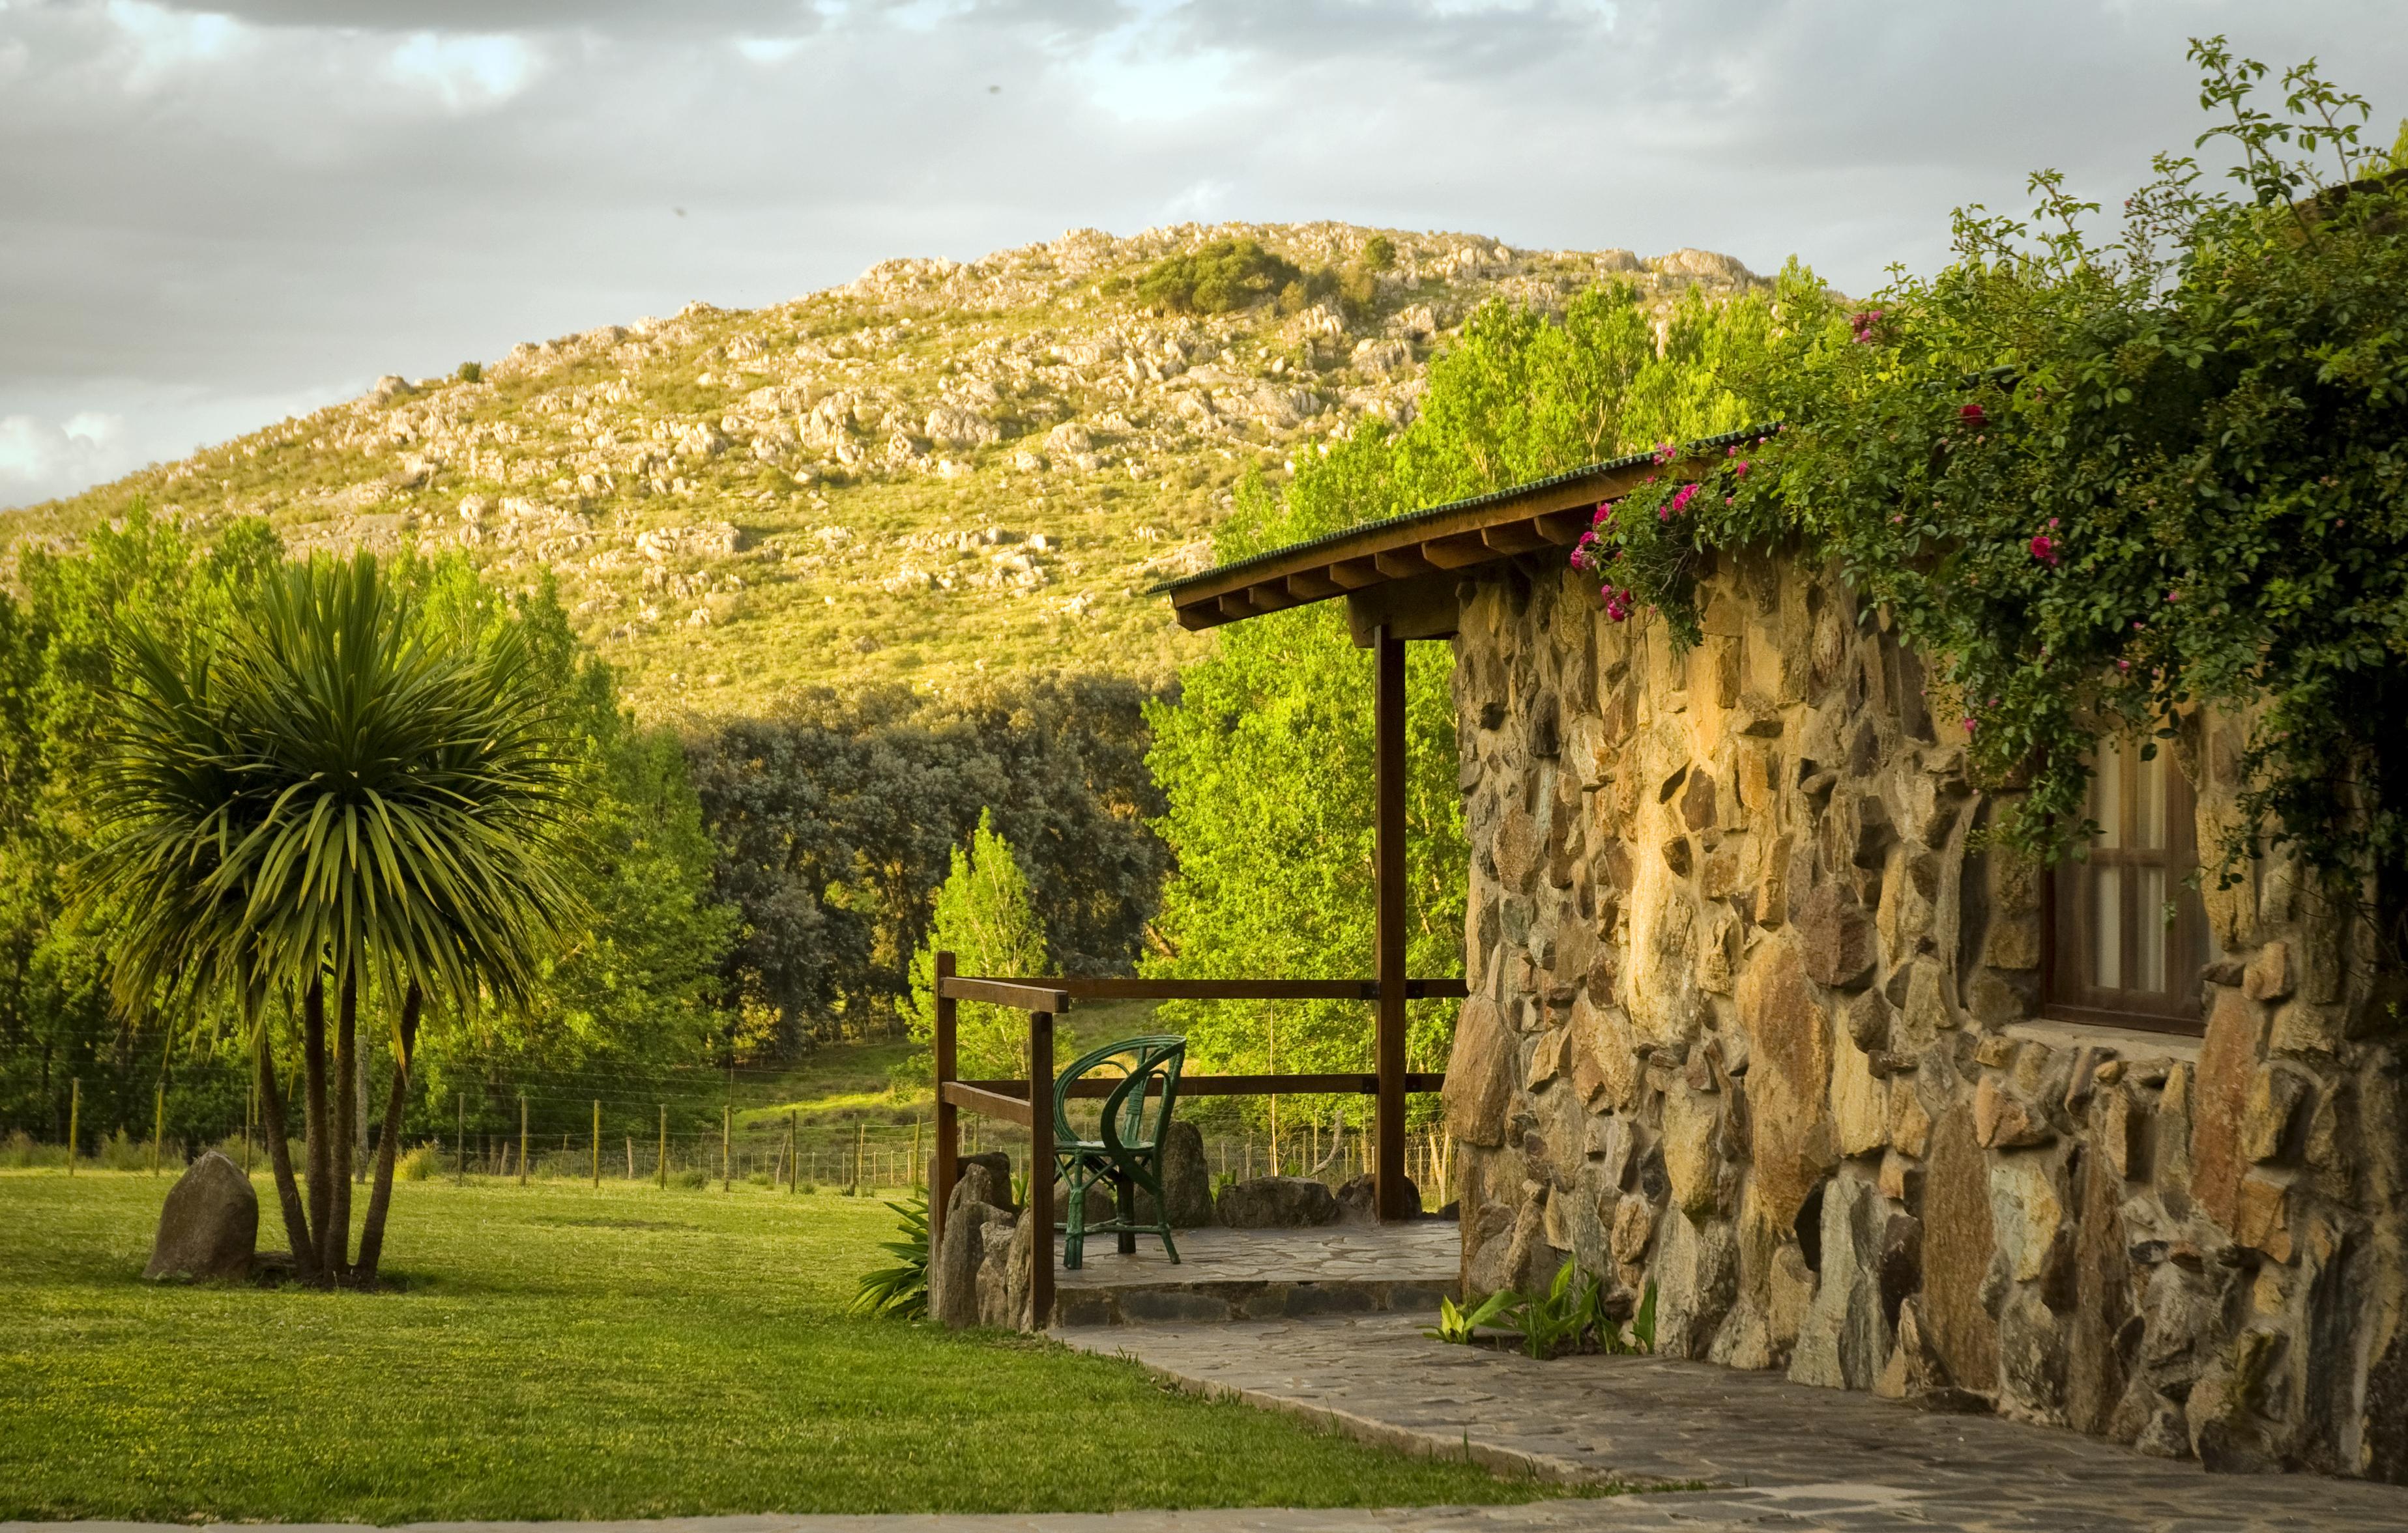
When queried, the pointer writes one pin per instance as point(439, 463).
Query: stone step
point(1271, 1274)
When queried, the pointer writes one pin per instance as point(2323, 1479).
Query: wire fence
point(779, 1150)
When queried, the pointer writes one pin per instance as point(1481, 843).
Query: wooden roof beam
point(1354, 574)
point(1314, 585)
point(1457, 552)
point(1561, 528)
point(1402, 563)
point(1514, 537)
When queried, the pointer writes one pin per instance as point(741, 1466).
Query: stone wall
point(1752, 1020)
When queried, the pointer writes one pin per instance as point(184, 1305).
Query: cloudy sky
point(211, 217)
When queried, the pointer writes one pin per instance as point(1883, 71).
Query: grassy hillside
point(933, 470)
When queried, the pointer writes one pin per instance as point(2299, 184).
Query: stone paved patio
point(1263, 1274)
point(1782, 1455)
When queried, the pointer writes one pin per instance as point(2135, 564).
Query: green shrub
point(903, 1288)
point(1223, 275)
point(693, 1177)
point(471, 372)
point(1379, 253)
point(20, 1149)
point(417, 1164)
point(123, 1151)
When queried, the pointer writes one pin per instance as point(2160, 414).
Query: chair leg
point(1125, 1193)
point(1074, 1236)
point(1169, 1249)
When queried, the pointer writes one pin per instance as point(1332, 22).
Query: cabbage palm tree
point(331, 797)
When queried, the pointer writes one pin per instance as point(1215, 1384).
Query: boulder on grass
point(1276, 1202)
point(210, 1225)
point(1358, 1201)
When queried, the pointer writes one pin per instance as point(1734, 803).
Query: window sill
point(2137, 1044)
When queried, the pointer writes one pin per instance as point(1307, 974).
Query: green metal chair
point(1128, 1154)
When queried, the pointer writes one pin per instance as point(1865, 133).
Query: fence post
point(1040, 1169)
point(158, 1127)
point(948, 1129)
point(726, 1135)
point(860, 1135)
point(75, 1120)
point(794, 1172)
point(631, 1157)
point(660, 1165)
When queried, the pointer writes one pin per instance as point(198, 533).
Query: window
point(2127, 934)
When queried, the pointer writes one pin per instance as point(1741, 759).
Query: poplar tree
point(984, 917)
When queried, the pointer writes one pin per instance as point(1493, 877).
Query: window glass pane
point(2154, 932)
point(2107, 794)
point(2149, 802)
point(2107, 927)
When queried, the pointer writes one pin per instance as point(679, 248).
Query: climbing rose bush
point(2100, 482)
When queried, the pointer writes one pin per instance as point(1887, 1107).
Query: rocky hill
point(935, 469)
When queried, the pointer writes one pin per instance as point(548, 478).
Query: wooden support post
point(597, 1144)
point(660, 1165)
point(158, 1127)
point(523, 1138)
point(949, 1124)
point(631, 1157)
point(1040, 1169)
point(1388, 769)
point(75, 1119)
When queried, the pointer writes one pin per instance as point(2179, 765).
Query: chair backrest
point(1134, 1114)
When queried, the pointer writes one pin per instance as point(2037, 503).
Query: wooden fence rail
point(1029, 1103)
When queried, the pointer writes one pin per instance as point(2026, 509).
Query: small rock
point(1276, 1202)
point(1358, 1201)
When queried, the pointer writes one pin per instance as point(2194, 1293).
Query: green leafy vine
point(2103, 484)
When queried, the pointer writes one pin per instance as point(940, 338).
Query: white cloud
point(465, 71)
point(770, 50)
point(159, 40)
point(39, 461)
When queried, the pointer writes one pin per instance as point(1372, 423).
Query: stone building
point(1756, 1019)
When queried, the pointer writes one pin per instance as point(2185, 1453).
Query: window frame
point(2063, 995)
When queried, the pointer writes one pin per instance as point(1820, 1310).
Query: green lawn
point(564, 1353)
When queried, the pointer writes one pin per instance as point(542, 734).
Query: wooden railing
point(1030, 1104)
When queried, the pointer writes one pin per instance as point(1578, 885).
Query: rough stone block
point(1835, 938)
point(2003, 1120)
point(2026, 1212)
point(1790, 1048)
point(1957, 1244)
point(2274, 1098)
point(2267, 976)
point(1845, 1339)
point(2228, 1063)
point(1479, 1074)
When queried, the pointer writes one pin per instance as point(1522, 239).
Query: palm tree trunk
point(388, 1145)
point(279, 1157)
point(334, 1236)
point(313, 1107)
